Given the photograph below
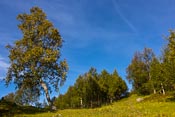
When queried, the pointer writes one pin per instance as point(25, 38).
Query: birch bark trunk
point(46, 92)
point(163, 90)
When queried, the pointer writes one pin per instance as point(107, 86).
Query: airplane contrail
point(117, 8)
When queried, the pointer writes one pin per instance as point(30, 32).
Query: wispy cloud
point(1, 78)
point(120, 13)
point(74, 25)
point(3, 65)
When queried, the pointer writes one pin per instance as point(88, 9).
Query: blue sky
point(99, 33)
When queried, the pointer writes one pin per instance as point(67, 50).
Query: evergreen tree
point(92, 90)
point(119, 86)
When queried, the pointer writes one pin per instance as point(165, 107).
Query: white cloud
point(1, 78)
point(3, 65)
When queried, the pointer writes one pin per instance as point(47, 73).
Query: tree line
point(92, 90)
point(147, 73)
point(150, 74)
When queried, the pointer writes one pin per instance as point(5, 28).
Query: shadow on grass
point(171, 99)
point(10, 109)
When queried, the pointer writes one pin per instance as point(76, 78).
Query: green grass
point(152, 106)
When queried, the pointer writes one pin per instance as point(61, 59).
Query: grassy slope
point(10, 109)
point(156, 106)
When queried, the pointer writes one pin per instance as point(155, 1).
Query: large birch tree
point(35, 64)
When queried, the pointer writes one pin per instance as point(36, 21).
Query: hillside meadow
point(151, 106)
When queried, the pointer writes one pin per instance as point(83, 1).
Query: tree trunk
point(81, 102)
point(154, 91)
point(163, 90)
point(111, 100)
point(46, 92)
point(91, 104)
